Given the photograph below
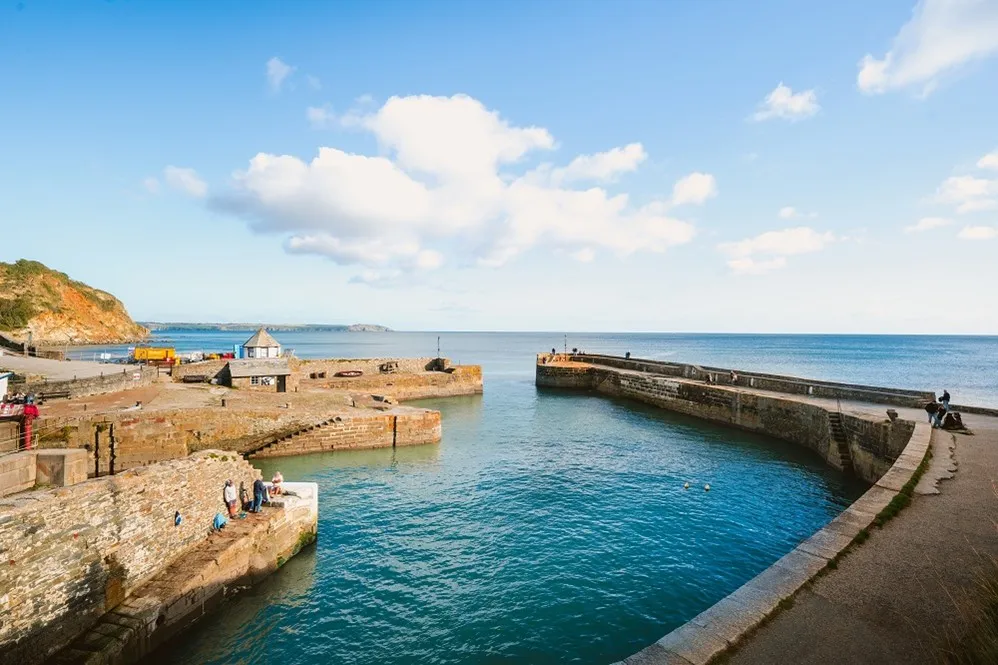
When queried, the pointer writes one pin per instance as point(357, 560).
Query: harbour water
point(966, 365)
point(551, 527)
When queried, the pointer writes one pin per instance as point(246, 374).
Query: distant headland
point(275, 327)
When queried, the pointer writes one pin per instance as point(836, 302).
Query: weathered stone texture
point(873, 444)
point(400, 427)
point(17, 473)
point(69, 555)
point(113, 381)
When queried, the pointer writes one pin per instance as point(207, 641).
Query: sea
point(549, 526)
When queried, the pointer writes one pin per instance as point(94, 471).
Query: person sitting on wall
point(259, 493)
point(276, 483)
point(219, 522)
point(229, 495)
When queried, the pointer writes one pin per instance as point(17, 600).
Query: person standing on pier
point(259, 491)
point(944, 400)
point(229, 494)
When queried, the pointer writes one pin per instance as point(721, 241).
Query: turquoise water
point(550, 527)
point(965, 365)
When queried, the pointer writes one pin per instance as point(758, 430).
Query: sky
point(670, 165)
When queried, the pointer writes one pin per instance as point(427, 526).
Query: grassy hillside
point(58, 310)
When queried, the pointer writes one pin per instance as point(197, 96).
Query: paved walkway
point(896, 598)
point(58, 370)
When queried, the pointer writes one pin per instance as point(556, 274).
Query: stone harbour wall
point(112, 381)
point(458, 380)
point(873, 445)
point(369, 366)
point(757, 380)
point(71, 554)
point(402, 426)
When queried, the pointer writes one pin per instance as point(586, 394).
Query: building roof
point(240, 369)
point(262, 338)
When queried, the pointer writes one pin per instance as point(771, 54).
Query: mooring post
point(110, 465)
point(96, 451)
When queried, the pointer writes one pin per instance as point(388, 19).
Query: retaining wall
point(761, 381)
point(399, 427)
point(873, 444)
point(112, 381)
point(74, 553)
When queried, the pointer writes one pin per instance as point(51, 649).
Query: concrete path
point(59, 370)
point(896, 598)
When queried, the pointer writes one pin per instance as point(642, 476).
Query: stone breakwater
point(853, 442)
point(72, 555)
point(886, 452)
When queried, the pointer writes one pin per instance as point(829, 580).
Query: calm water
point(966, 365)
point(549, 527)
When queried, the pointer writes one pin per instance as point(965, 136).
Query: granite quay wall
point(198, 582)
point(402, 426)
point(112, 381)
point(369, 366)
point(74, 553)
point(774, 382)
point(457, 380)
point(868, 446)
point(143, 438)
point(210, 369)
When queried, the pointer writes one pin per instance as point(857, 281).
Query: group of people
point(18, 398)
point(262, 494)
point(937, 410)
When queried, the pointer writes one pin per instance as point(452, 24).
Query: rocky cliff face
point(58, 310)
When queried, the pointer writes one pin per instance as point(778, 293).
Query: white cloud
point(313, 82)
point(790, 212)
point(185, 180)
point(988, 161)
point(603, 166)
point(783, 103)
point(320, 117)
point(277, 72)
point(927, 224)
point(968, 193)
point(978, 233)
point(774, 244)
point(977, 205)
point(799, 240)
point(749, 266)
point(695, 189)
point(449, 181)
point(940, 37)
point(151, 185)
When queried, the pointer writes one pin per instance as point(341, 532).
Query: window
point(254, 380)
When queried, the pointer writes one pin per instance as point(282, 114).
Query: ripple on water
point(546, 528)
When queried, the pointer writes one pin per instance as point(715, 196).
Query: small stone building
point(269, 374)
point(261, 345)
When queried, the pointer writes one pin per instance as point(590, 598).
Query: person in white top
point(276, 482)
point(230, 497)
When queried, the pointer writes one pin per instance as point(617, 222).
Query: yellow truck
point(155, 354)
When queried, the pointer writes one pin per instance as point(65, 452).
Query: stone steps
point(841, 440)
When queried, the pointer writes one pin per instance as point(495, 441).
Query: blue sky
point(647, 166)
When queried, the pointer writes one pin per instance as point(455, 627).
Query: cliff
point(58, 310)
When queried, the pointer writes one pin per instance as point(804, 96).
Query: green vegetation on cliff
point(56, 309)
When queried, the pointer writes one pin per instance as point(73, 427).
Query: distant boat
point(349, 373)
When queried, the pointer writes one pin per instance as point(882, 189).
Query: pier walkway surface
point(59, 370)
point(900, 597)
